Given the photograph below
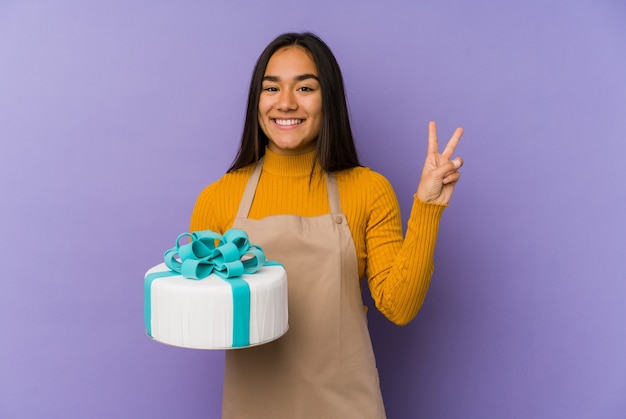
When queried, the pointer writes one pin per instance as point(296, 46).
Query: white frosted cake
point(201, 314)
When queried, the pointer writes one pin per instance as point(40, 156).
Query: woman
point(297, 189)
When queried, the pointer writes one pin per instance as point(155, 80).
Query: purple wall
point(114, 115)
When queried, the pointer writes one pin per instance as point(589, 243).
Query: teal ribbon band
point(228, 256)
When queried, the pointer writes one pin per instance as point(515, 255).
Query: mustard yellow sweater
point(398, 269)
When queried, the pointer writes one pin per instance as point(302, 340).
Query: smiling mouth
point(288, 122)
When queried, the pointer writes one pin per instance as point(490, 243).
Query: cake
point(206, 295)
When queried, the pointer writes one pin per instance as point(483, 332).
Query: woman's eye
point(270, 89)
point(305, 89)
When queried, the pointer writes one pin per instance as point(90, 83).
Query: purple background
point(114, 115)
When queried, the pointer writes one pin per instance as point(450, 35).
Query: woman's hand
point(440, 174)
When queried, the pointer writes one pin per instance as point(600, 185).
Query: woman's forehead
point(291, 61)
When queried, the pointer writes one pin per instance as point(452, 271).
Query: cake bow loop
point(228, 256)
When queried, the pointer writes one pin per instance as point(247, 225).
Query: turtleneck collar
point(289, 165)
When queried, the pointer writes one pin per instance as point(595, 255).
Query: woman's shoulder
point(229, 182)
point(364, 188)
point(217, 203)
point(364, 177)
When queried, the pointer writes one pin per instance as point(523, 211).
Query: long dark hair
point(335, 148)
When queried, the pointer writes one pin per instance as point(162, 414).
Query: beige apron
point(324, 366)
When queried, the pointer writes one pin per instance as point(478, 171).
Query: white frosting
point(199, 313)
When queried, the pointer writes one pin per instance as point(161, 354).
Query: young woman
point(297, 188)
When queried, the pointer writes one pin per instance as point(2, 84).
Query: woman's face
point(290, 106)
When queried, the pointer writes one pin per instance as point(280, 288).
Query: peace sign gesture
point(440, 174)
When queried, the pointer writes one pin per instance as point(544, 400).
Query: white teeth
point(285, 122)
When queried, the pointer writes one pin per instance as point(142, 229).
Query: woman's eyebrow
point(301, 77)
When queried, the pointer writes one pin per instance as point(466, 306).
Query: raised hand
point(440, 174)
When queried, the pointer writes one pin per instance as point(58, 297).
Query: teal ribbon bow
point(228, 256)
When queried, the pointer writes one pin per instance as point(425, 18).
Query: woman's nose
point(286, 101)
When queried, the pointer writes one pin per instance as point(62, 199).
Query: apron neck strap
point(248, 194)
point(333, 193)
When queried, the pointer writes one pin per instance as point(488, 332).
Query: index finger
point(454, 141)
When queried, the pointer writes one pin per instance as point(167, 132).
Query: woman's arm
point(399, 270)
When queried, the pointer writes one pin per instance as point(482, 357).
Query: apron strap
point(248, 194)
point(333, 194)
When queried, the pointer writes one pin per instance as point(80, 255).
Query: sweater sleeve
point(217, 205)
point(399, 269)
point(204, 215)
